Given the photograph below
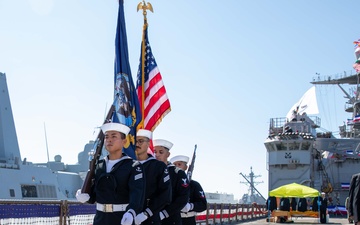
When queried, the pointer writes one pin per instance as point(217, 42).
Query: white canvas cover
point(307, 104)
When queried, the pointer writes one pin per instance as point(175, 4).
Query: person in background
point(119, 185)
point(323, 207)
point(315, 204)
point(309, 203)
point(170, 215)
point(354, 197)
point(347, 203)
point(271, 203)
point(197, 201)
point(158, 184)
point(302, 205)
point(284, 206)
point(293, 204)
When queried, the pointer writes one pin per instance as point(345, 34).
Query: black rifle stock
point(191, 167)
point(86, 188)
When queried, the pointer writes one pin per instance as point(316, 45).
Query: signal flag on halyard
point(345, 186)
point(154, 102)
point(350, 122)
point(125, 99)
point(356, 119)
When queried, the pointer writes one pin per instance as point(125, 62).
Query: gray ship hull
point(24, 180)
point(299, 151)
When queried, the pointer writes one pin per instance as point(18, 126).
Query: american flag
point(154, 102)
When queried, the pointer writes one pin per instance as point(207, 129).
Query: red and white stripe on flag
point(156, 101)
point(151, 91)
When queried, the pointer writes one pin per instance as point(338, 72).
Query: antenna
point(47, 149)
point(105, 112)
point(252, 184)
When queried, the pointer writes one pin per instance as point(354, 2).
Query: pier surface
point(299, 221)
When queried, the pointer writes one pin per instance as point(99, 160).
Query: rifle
point(98, 145)
point(191, 167)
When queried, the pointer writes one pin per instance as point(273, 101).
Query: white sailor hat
point(163, 143)
point(144, 133)
point(115, 127)
point(181, 158)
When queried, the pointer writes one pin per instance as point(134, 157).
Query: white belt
point(111, 207)
point(188, 214)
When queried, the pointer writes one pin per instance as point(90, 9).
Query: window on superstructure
point(270, 147)
point(294, 146)
point(29, 191)
point(281, 146)
point(305, 146)
point(12, 193)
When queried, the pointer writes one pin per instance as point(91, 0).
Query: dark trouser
point(322, 216)
point(154, 220)
point(188, 220)
point(172, 220)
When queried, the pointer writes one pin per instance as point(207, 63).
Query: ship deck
point(299, 221)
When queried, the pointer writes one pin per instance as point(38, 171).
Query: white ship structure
point(25, 180)
point(216, 197)
point(298, 149)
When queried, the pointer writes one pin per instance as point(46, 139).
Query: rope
point(258, 207)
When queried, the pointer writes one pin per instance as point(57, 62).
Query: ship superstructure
point(33, 181)
point(298, 150)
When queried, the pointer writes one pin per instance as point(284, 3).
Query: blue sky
point(228, 66)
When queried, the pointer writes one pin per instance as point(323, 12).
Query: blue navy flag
point(125, 99)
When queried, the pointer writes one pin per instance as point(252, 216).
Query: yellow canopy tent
point(297, 191)
point(294, 190)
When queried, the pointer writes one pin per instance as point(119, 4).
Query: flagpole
point(143, 69)
point(144, 6)
point(47, 149)
point(152, 93)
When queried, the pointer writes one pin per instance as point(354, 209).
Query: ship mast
point(252, 184)
point(353, 104)
point(9, 147)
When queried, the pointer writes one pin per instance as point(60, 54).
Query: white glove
point(82, 197)
point(141, 217)
point(127, 219)
point(187, 207)
point(162, 216)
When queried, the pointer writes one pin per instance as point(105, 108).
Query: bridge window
point(29, 191)
point(281, 146)
point(270, 146)
point(305, 146)
point(294, 146)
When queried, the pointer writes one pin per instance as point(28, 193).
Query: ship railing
point(72, 212)
point(337, 76)
point(277, 125)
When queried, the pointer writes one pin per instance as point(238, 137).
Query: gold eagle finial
point(144, 6)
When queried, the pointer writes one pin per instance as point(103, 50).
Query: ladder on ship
point(325, 185)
